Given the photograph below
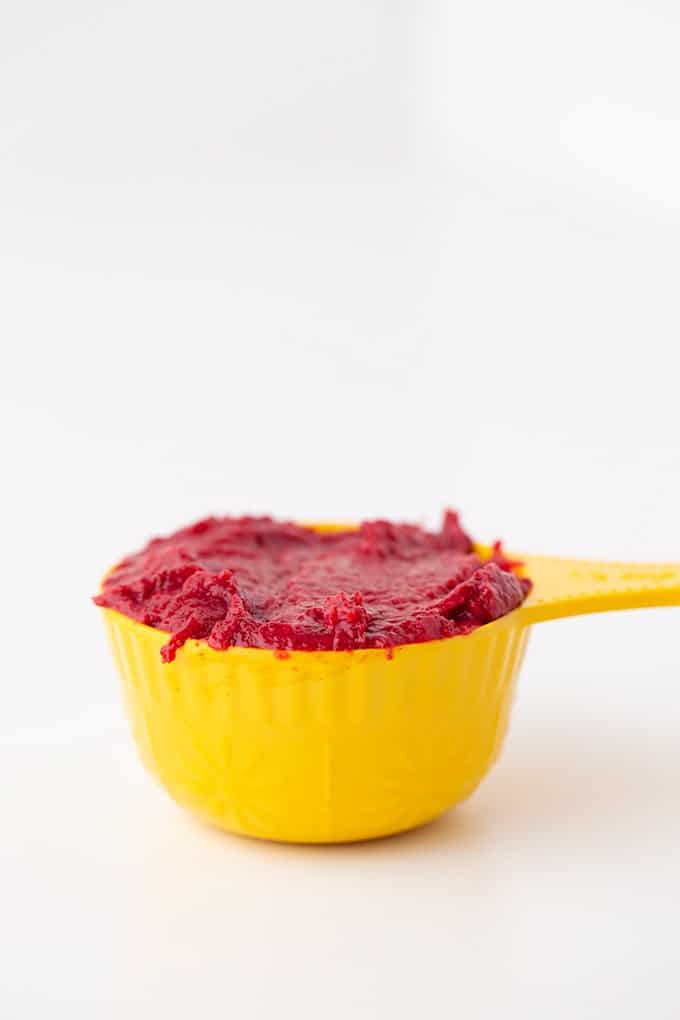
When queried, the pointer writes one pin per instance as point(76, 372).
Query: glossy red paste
point(259, 583)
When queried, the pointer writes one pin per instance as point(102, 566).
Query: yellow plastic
point(326, 747)
point(572, 587)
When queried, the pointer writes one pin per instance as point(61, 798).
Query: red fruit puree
point(259, 583)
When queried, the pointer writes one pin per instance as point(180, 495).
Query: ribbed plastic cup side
point(319, 746)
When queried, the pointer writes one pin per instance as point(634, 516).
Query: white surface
point(341, 261)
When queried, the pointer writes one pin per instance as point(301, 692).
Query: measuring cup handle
point(572, 587)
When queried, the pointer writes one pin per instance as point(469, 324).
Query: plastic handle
point(572, 587)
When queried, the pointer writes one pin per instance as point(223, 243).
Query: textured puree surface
point(260, 583)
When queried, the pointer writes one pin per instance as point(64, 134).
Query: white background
point(333, 261)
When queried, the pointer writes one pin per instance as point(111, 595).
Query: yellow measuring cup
point(327, 747)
